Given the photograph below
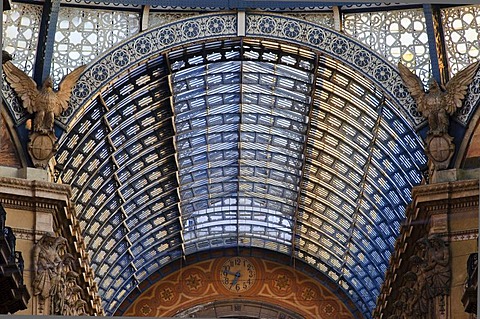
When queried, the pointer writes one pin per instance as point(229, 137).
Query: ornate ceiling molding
point(209, 27)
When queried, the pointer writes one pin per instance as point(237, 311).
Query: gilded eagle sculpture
point(438, 103)
point(45, 103)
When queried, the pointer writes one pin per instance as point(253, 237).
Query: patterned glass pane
point(21, 25)
point(84, 34)
point(461, 27)
point(398, 35)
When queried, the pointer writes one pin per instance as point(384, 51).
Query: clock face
point(238, 274)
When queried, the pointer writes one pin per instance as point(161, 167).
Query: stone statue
point(45, 103)
point(48, 267)
point(438, 103)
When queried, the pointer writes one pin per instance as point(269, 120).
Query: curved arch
point(239, 108)
point(297, 280)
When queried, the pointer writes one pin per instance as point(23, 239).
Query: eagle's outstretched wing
point(457, 87)
point(23, 85)
point(413, 84)
point(65, 89)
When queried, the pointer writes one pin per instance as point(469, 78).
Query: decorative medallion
point(42, 147)
point(282, 282)
point(309, 294)
point(440, 149)
point(329, 309)
point(167, 295)
point(194, 281)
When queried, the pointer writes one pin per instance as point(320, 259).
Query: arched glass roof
point(287, 135)
point(241, 143)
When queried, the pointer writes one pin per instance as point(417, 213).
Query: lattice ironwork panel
point(83, 34)
point(461, 27)
point(399, 35)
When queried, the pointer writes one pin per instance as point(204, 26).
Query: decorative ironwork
point(21, 27)
point(319, 18)
point(461, 32)
point(198, 28)
point(398, 35)
point(84, 34)
point(156, 19)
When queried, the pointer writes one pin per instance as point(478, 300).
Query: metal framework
point(192, 137)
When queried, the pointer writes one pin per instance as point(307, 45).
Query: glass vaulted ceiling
point(241, 143)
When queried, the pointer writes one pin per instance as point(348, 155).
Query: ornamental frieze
point(249, 279)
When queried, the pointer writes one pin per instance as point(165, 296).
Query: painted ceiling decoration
point(195, 136)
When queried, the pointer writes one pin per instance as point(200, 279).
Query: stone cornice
point(471, 234)
point(427, 200)
point(450, 188)
point(33, 194)
point(28, 234)
point(34, 186)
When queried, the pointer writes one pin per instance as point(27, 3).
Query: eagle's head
point(433, 85)
point(48, 84)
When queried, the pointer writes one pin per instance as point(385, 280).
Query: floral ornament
point(100, 72)
point(193, 282)
point(143, 45)
point(316, 36)
point(291, 29)
point(120, 58)
point(382, 73)
point(166, 36)
point(81, 90)
point(167, 294)
point(267, 25)
point(216, 25)
point(400, 91)
point(146, 309)
point(362, 58)
point(339, 46)
point(191, 29)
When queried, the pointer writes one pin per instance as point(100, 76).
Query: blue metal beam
point(436, 43)
point(46, 41)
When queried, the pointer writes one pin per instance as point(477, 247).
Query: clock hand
point(235, 280)
point(229, 272)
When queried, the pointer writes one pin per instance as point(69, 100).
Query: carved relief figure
point(418, 304)
point(48, 265)
point(438, 103)
point(428, 279)
point(56, 279)
point(44, 103)
point(438, 267)
point(73, 304)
